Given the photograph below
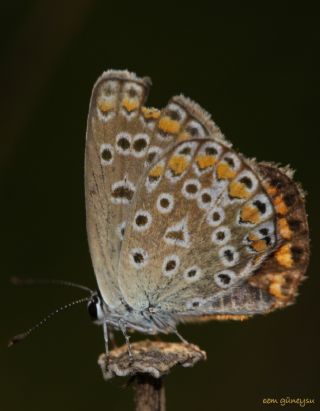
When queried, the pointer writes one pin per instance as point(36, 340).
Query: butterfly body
point(180, 226)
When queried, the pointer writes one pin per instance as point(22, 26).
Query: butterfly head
point(96, 308)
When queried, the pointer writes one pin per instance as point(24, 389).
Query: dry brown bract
point(150, 357)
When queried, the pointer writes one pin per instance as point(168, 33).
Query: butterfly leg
point(106, 340)
point(180, 337)
point(122, 326)
point(112, 338)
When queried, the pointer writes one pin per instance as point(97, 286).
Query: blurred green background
point(257, 72)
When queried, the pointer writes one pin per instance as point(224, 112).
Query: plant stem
point(149, 393)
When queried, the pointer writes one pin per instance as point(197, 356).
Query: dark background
point(257, 72)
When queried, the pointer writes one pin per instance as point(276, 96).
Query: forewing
point(116, 141)
point(208, 224)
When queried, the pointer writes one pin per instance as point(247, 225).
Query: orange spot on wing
point(178, 164)
point(238, 190)
point(205, 161)
point(259, 245)
point(168, 125)
point(183, 136)
point(130, 104)
point(250, 214)
point(270, 190)
point(284, 229)
point(284, 256)
point(157, 170)
point(225, 171)
point(275, 287)
point(150, 112)
point(279, 205)
point(105, 105)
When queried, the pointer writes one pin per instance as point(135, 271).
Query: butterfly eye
point(95, 309)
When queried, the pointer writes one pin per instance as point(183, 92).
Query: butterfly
point(181, 227)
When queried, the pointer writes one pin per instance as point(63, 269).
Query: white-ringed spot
point(165, 203)
point(138, 257)
point(225, 278)
point(123, 143)
point(191, 188)
point(192, 274)
point(170, 265)
point(221, 235)
point(142, 220)
point(229, 255)
point(140, 144)
point(122, 191)
point(178, 234)
point(106, 154)
point(215, 217)
point(206, 199)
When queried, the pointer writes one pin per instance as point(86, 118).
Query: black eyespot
point(195, 304)
point(224, 278)
point(185, 151)
point(220, 235)
point(124, 143)
point(246, 181)
point(211, 151)
point(294, 224)
point(191, 188)
point(192, 130)
point(260, 206)
point(164, 202)
point(141, 220)
point(174, 115)
point(229, 255)
point(289, 199)
point(297, 253)
point(276, 182)
point(267, 240)
point(215, 216)
point(122, 231)
point(138, 258)
point(230, 161)
point(106, 154)
point(171, 265)
point(264, 231)
point(151, 157)
point(206, 198)
point(191, 273)
point(132, 92)
point(139, 144)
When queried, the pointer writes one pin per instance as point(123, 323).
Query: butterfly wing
point(124, 138)
point(116, 140)
point(208, 223)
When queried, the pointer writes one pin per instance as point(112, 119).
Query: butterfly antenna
point(44, 281)
point(22, 336)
